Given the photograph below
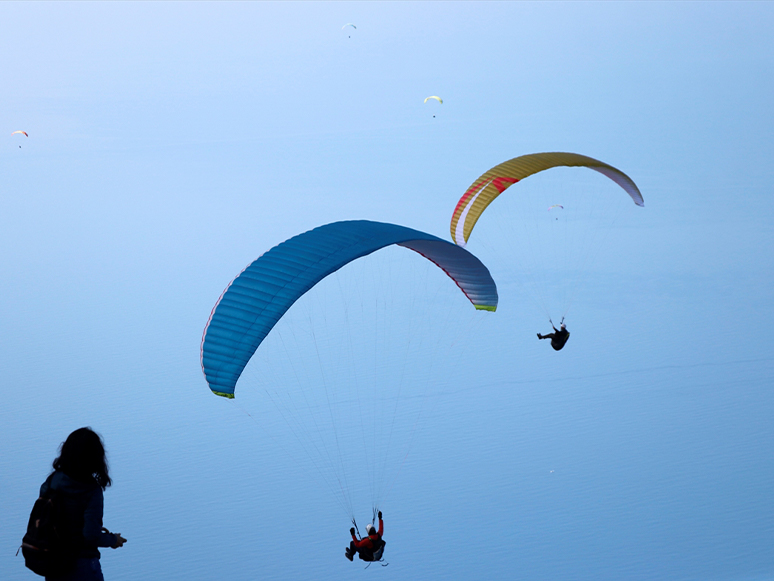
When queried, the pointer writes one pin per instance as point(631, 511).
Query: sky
point(171, 144)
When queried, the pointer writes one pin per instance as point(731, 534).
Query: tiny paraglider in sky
point(20, 133)
point(436, 98)
point(555, 206)
point(349, 24)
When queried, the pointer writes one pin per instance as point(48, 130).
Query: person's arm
point(381, 525)
point(92, 523)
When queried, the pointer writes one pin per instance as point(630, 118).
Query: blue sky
point(170, 144)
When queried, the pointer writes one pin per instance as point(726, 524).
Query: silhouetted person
point(558, 337)
point(80, 475)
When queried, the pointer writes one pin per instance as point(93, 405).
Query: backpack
point(47, 548)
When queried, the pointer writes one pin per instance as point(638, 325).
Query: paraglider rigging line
point(322, 453)
point(333, 419)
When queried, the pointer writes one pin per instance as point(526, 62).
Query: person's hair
point(82, 457)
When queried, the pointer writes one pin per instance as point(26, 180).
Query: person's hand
point(119, 541)
point(380, 515)
point(352, 531)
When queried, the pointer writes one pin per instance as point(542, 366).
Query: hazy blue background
point(171, 144)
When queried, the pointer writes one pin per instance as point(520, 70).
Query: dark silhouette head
point(82, 458)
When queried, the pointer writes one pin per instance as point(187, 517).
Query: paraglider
point(21, 133)
point(349, 24)
point(555, 207)
point(435, 98)
point(552, 255)
point(331, 372)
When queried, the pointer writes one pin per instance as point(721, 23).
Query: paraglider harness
point(376, 555)
point(561, 336)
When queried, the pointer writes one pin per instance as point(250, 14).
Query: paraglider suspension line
point(552, 323)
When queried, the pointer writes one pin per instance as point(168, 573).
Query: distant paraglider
point(349, 24)
point(20, 133)
point(436, 98)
